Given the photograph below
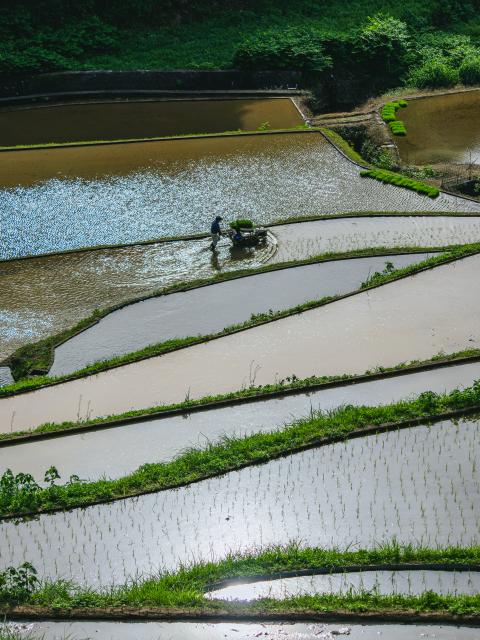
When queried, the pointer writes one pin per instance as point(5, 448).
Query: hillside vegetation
point(421, 42)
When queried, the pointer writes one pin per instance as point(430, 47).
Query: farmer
point(215, 232)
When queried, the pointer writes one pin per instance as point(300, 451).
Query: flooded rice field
point(301, 241)
point(411, 582)
point(211, 309)
point(42, 296)
point(120, 450)
point(57, 199)
point(86, 630)
point(420, 486)
point(411, 319)
point(5, 376)
point(141, 119)
point(442, 129)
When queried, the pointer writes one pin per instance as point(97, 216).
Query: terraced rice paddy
point(211, 309)
point(141, 119)
point(419, 485)
point(442, 129)
point(63, 198)
point(42, 296)
point(406, 582)
point(432, 312)
point(120, 450)
point(247, 631)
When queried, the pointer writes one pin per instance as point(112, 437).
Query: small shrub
point(433, 75)
point(17, 584)
point(469, 72)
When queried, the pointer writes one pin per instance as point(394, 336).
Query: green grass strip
point(27, 357)
point(388, 113)
point(187, 586)
point(20, 495)
point(389, 177)
point(338, 141)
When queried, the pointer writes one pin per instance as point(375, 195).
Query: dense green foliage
point(434, 74)
point(401, 181)
point(349, 40)
point(20, 494)
point(469, 71)
point(290, 48)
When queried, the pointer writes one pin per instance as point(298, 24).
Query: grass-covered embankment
point(20, 495)
point(389, 177)
point(39, 356)
point(183, 591)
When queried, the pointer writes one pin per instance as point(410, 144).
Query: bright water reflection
point(64, 198)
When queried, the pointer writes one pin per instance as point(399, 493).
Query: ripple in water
point(164, 192)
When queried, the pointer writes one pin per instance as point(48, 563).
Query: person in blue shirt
point(215, 232)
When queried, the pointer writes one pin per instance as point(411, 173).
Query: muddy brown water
point(441, 129)
point(42, 296)
point(411, 319)
point(412, 583)
point(211, 309)
point(141, 119)
point(114, 453)
point(420, 486)
point(57, 199)
point(86, 630)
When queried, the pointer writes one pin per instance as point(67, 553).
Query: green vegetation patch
point(389, 115)
point(388, 177)
point(187, 586)
point(30, 357)
point(21, 495)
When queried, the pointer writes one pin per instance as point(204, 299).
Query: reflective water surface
point(420, 486)
point(412, 583)
point(42, 296)
point(141, 119)
point(442, 129)
point(414, 318)
point(57, 199)
point(211, 309)
point(86, 630)
point(118, 451)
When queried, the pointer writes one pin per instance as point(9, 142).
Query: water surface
point(120, 450)
point(442, 129)
point(414, 318)
point(411, 582)
point(42, 124)
point(42, 296)
point(57, 199)
point(420, 486)
point(86, 630)
point(211, 309)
